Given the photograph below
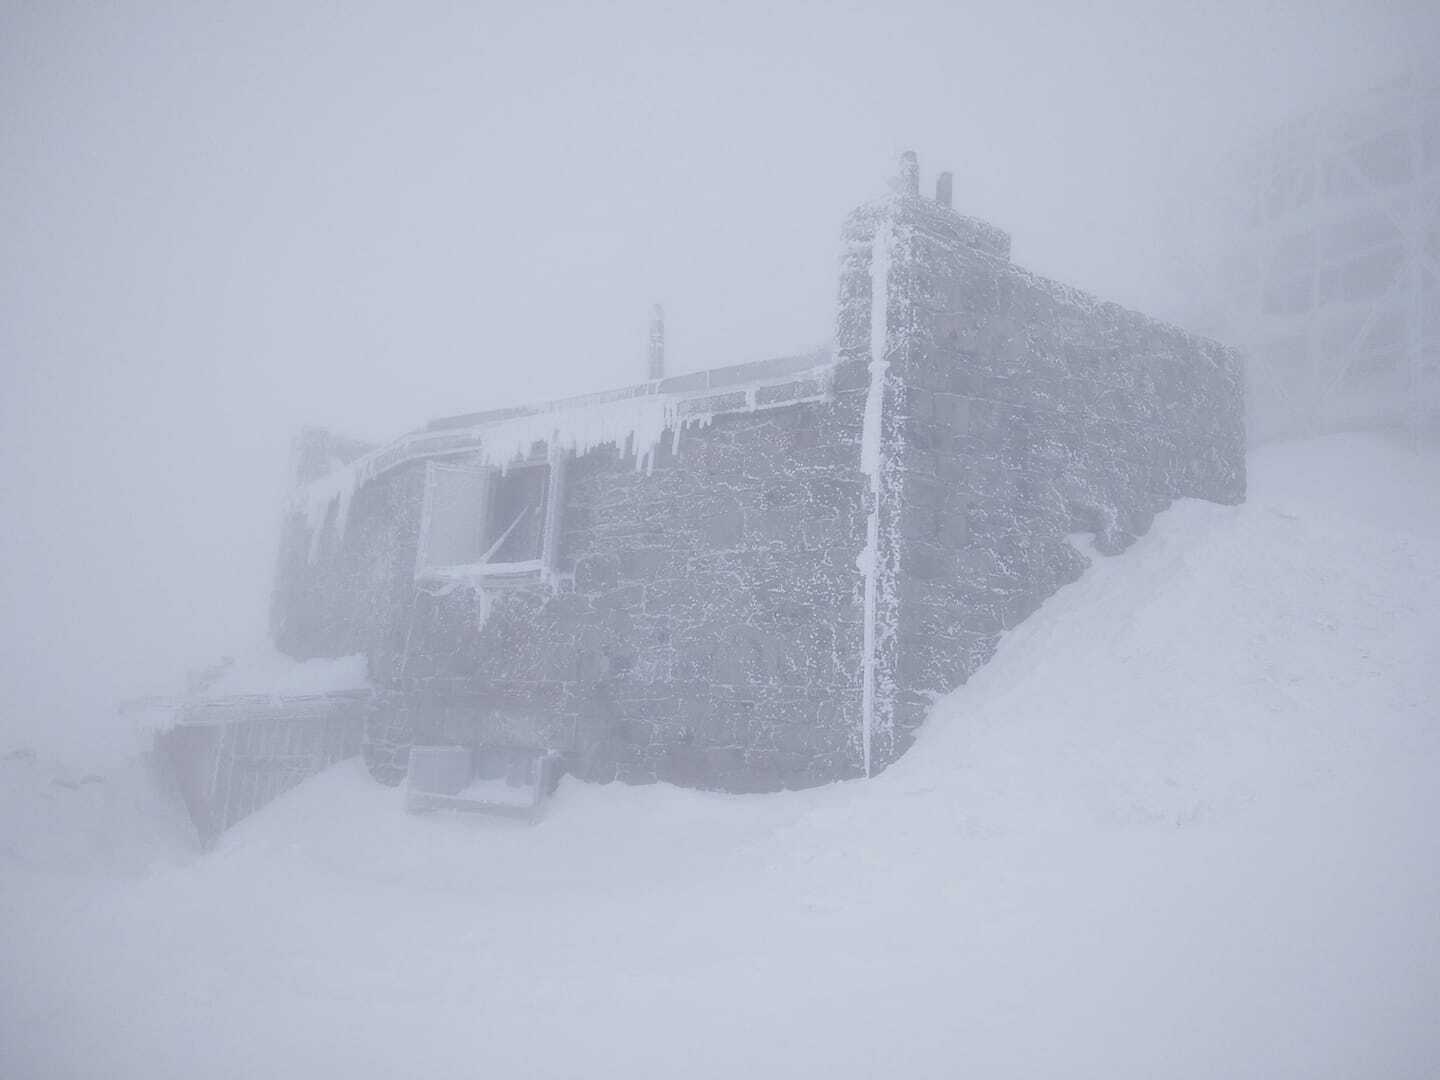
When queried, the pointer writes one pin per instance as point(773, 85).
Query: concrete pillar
point(943, 185)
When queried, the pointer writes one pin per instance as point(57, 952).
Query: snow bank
point(122, 820)
point(1180, 826)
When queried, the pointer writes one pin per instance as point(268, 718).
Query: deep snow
point(1182, 825)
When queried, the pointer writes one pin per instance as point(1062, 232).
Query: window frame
point(486, 573)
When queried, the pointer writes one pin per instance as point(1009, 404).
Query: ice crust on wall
point(727, 561)
point(980, 414)
point(870, 464)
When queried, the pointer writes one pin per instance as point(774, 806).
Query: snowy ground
point(1184, 825)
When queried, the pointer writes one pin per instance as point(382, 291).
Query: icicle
point(634, 422)
point(639, 422)
point(870, 461)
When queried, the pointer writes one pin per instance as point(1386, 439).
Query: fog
point(224, 222)
point(1178, 825)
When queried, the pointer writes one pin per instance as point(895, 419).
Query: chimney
point(943, 184)
point(656, 351)
point(907, 178)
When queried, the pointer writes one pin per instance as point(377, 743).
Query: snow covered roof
point(634, 418)
point(266, 671)
point(259, 677)
point(732, 378)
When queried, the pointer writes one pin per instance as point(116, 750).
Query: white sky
point(223, 221)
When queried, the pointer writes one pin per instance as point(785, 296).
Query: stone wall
point(1017, 412)
point(703, 627)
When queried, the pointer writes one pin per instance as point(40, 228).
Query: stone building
point(758, 577)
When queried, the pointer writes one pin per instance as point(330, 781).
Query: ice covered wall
point(703, 625)
point(1017, 411)
point(776, 602)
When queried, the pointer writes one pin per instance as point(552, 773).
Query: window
point(485, 523)
point(515, 525)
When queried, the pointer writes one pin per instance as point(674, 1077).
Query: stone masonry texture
point(704, 623)
point(704, 628)
point(1018, 412)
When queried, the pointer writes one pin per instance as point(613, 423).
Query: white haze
point(1181, 825)
point(221, 222)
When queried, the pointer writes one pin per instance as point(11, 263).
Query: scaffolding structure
point(1330, 275)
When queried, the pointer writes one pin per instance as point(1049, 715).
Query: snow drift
point(1181, 825)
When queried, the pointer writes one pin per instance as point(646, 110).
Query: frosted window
point(455, 509)
point(477, 518)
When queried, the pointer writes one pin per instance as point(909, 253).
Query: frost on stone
point(870, 464)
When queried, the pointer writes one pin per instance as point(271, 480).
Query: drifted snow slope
point(1183, 825)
